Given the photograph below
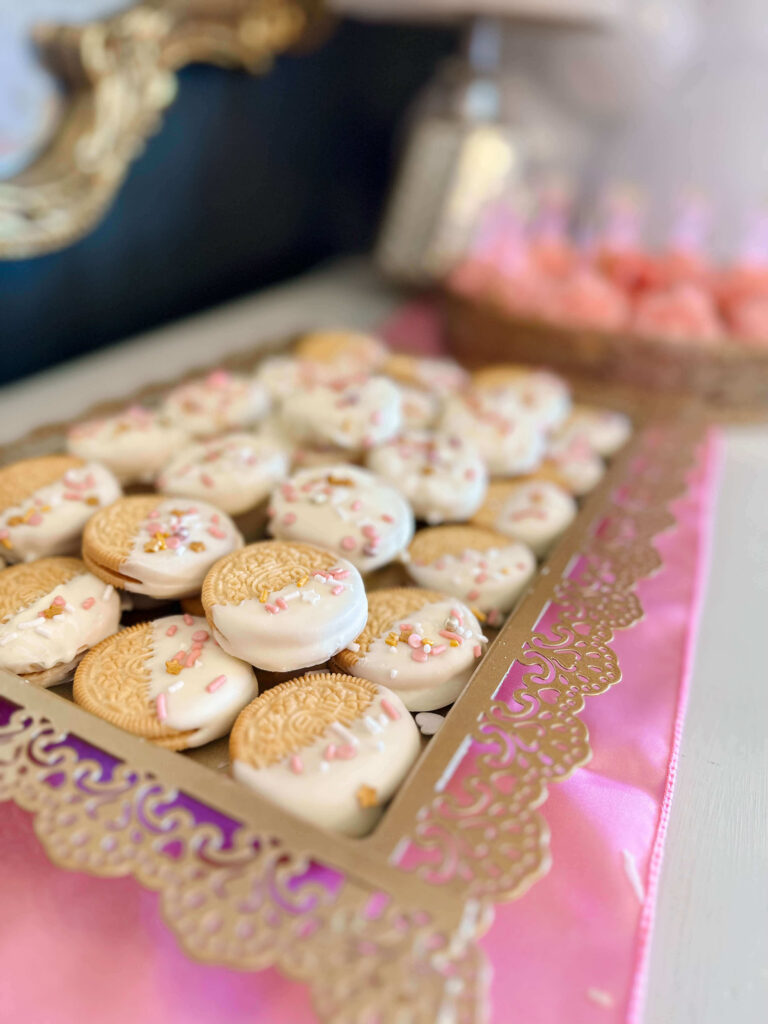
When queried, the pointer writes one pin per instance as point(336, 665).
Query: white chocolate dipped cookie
point(421, 409)
point(218, 402)
point(540, 394)
point(235, 471)
point(510, 442)
point(167, 681)
point(45, 503)
point(343, 351)
point(353, 416)
point(572, 463)
point(440, 473)
point(536, 512)
point(135, 444)
point(604, 430)
point(422, 644)
point(159, 547)
point(484, 569)
point(331, 748)
point(51, 612)
point(347, 509)
point(284, 606)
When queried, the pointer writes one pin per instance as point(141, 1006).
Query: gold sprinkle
point(15, 521)
point(340, 481)
point(367, 796)
point(54, 609)
point(264, 596)
point(5, 542)
point(454, 643)
point(178, 512)
point(393, 640)
point(197, 545)
point(480, 616)
point(173, 667)
point(91, 500)
point(302, 581)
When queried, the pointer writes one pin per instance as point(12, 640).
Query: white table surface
point(709, 960)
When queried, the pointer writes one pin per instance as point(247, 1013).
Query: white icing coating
point(574, 460)
point(346, 509)
point(236, 471)
point(605, 430)
point(510, 442)
point(51, 520)
point(537, 512)
point(437, 678)
point(221, 401)
point(135, 444)
point(169, 567)
point(440, 473)
point(352, 415)
point(204, 697)
point(421, 409)
point(539, 394)
point(325, 790)
point(318, 620)
point(30, 642)
point(491, 579)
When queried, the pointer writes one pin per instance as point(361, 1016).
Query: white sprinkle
point(324, 766)
point(32, 624)
point(344, 733)
point(291, 595)
point(353, 647)
point(371, 724)
point(310, 595)
point(7, 639)
point(68, 607)
point(482, 639)
point(630, 867)
point(601, 997)
point(380, 745)
point(427, 648)
point(393, 673)
point(42, 631)
point(107, 591)
point(175, 686)
point(460, 630)
point(383, 720)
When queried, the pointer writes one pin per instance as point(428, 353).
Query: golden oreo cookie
point(45, 503)
point(536, 512)
point(509, 388)
point(283, 605)
point(160, 547)
point(167, 681)
point(421, 643)
point(329, 747)
point(350, 351)
point(51, 612)
point(483, 568)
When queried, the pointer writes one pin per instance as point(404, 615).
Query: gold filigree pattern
point(385, 607)
point(262, 569)
point(294, 714)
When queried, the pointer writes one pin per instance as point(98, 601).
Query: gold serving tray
point(383, 928)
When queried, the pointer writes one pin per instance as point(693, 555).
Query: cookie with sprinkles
point(45, 503)
point(509, 441)
point(235, 471)
point(51, 612)
point(167, 681)
point(604, 430)
point(484, 569)
point(346, 351)
point(437, 376)
point(536, 512)
point(347, 509)
point(331, 748)
point(540, 394)
point(572, 463)
point(135, 444)
point(283, 605)
point(159, 547)
point(350, 415)
point(216, 403)
point(423, 644)
point(440, 473)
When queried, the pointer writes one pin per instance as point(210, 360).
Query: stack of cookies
point(406, 503)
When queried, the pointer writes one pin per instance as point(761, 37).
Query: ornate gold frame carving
point(466, 831)
point(118, 75)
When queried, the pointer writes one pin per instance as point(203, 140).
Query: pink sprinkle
point(72, 496)
point(387, 517)
point(192, 657)
point(414, 640)
point(339, 574)
point(154, 514)
point(370, 532)
point(297, 765)
point(171, 631)
point(216, 684)
point(217, 532)
point(420, 655)
point(188, 619)
point(272, 609)
point(289, 519)
point(346, 752)
point(206, 479)
point(348, 543)
point(473, 595)
point(35, 519)
point(330, 752)
point(337, 590)
point(390, 710)
point(281, 604)
point(181, 656)
point(219, 378)
point(173, 543)
point(456, 614)
point(483, 564)
point(288, 493)
point(481, 577)
point(162, 707)
point(376, 416)
point(59, 601)
point(215, 517)
point(407, 625)
point(450, 635)
point(191, 511)
point(470, 474)
point(356, 505)
point(439, 648)
point(89, 602)
point(477, 650)
point(4, 534)
point(200, 636)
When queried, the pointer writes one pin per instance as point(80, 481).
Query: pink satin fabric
point(77, 948)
